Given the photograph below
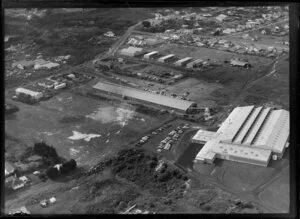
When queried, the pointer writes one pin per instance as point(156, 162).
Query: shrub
point(44, 150)
point(52, 172)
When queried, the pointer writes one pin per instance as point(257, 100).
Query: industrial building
point(181, 106)
point(33, 94)
point(151, 55)
point(131, 51)
point(183, 62)
point(249, 134)
point(166, 58)
point(194, 63)
point(235, 62)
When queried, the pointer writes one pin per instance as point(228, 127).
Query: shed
point(131, 51)
point(236, 62)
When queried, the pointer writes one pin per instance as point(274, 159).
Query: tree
point(68, 166)
point(146, 24)
point(44, 150)
point(52, 172)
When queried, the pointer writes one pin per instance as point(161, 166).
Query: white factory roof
point(274, 138)
point(27, 91)
point(248, 135)
point(131, 49)
point(150, 53)
point(234, 122)
point(183, 60)
point(166, 57)
point(244, 130)
point(206, 151)
point(252, 132)
point(203, 135)
point(145, 96)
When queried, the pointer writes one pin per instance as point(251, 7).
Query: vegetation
point(139, 167)
point(68, 166)
point(52, 172)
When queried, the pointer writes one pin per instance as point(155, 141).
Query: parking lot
point(166, 139)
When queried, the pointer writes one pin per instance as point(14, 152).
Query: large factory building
point(250, 134)
point(178, 105)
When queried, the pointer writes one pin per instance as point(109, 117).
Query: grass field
point(278, 188)
point(199, 90)
point(55, 120)
point(243, 177)
point(273, 88)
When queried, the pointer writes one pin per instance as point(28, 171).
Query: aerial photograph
point(162, 110)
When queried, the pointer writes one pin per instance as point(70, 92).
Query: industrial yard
point(134, 119)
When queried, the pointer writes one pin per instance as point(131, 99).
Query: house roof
point(9, 168)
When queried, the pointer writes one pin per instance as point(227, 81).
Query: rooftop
point(145, 96)
point(131, 49)
point(166, 57)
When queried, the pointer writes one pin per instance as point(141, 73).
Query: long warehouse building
point(249, 134)
point(182, 106)
point(166, 58)
point(151, 54)
point(194, 63)
point(183, 61)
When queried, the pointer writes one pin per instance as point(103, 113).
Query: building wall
point(243, 160)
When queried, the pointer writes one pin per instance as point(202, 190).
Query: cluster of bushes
point(114, 203)
point(53, 172)
point(138, 167)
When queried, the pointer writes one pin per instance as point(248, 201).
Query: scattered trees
point(146, 24)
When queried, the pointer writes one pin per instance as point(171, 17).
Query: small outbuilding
point(239, 63)
point(131, 51)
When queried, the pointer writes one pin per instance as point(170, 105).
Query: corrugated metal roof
point(150, 53)
point(145, 96)
point(256, 126)
point(269, 128)
point(238, 139)
point(275, 131)
point(183, 60)
point(165, 57)
point(234, 122)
